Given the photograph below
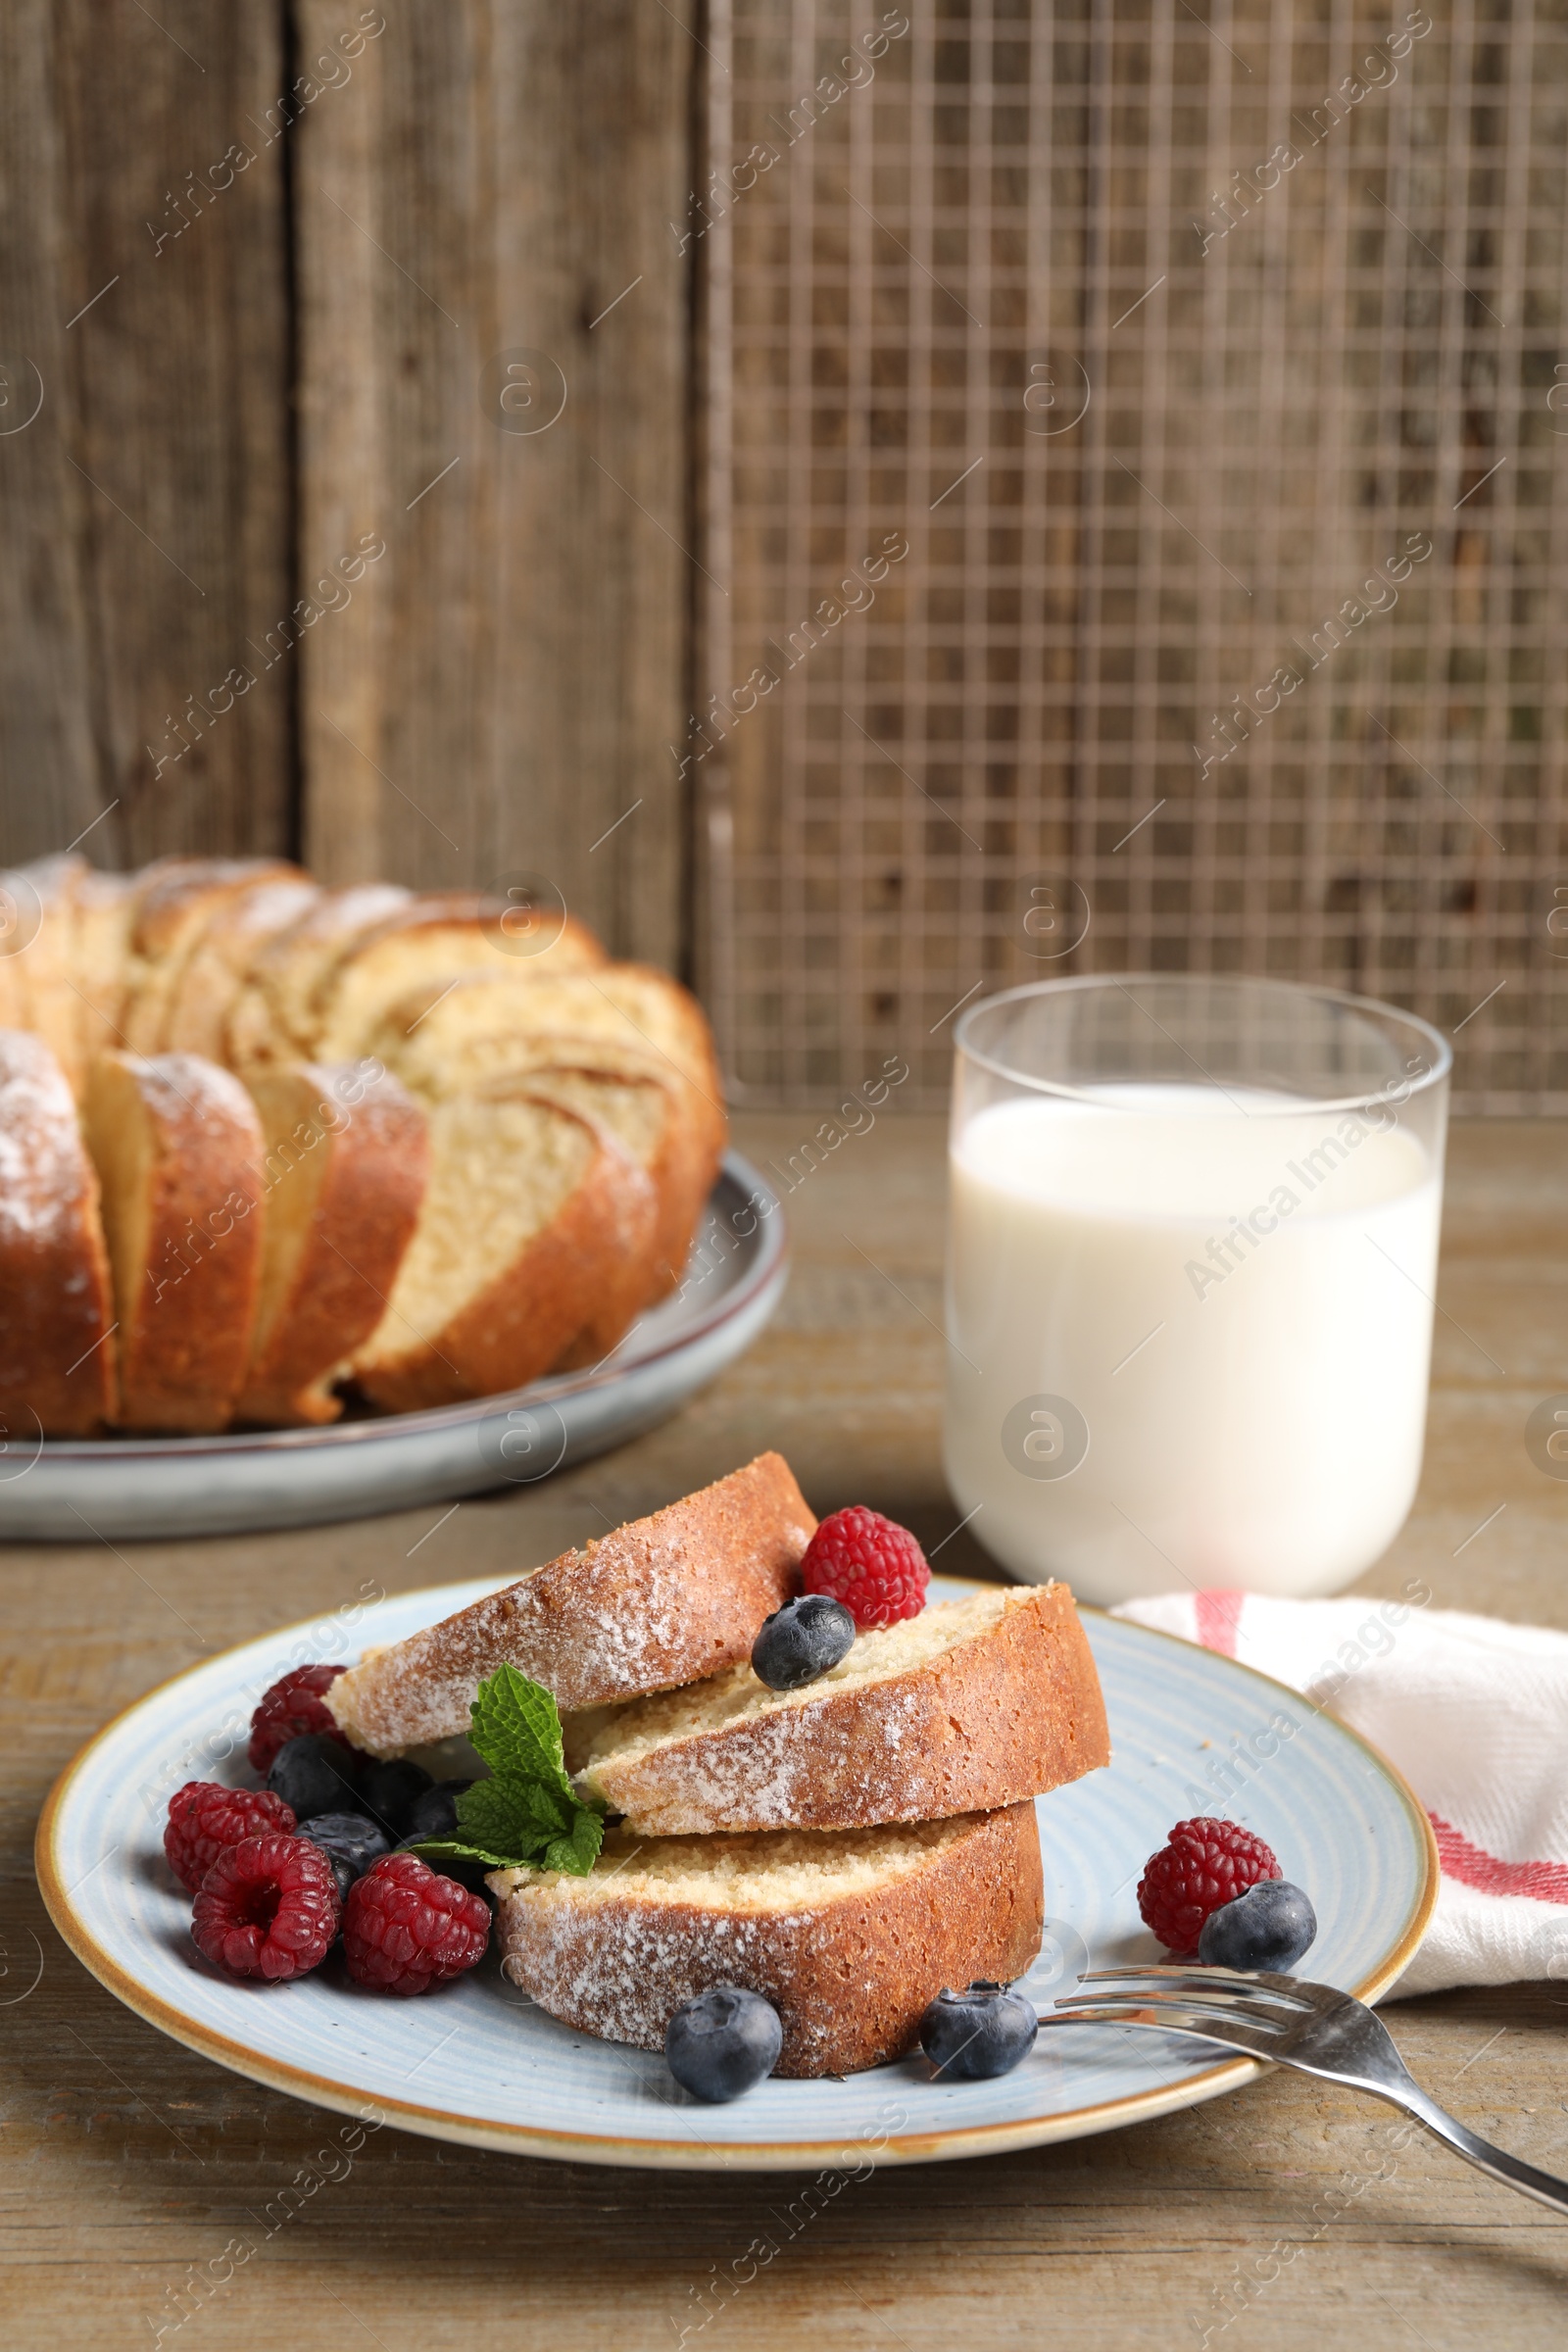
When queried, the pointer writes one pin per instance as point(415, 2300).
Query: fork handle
point(1545, 2188)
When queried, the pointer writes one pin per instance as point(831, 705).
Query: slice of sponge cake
point(536, 1224)
point(850, 1933)
point(269, 1019)
point(57, 1339)
point(239, 927)
point(658, 1602)
point(972, 1704)
point(428, 943)
point(177, 1147)
point(447, 1038)
point(347, 1159)
point(176, 903)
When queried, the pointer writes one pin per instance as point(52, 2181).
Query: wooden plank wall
point(274, 452)
point(144, 507)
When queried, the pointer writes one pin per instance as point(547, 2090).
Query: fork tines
point(1227, 1983)
point(1231, 2029)
point(1249, 2012)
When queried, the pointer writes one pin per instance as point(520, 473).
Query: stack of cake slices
point(845, 1850)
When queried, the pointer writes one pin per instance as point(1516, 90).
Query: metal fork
point(1288, 2022)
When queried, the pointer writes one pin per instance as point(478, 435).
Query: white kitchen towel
point(1473, 1712)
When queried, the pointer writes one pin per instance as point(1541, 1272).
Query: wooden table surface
point(131, 2163)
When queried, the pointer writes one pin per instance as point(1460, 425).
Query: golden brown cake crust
point(849, 1978)
point(627, 1253)
point(624, 1015)
point(1012, 1712)
point(590, 1260)
point(242, 924)
point(175, 901)
point(352, 992)
point(679, 1169)
point(56, 1355)
point(185, 1292)
point(372, 1134)
point(662, 1602)
point(180, 894)
point(269, 1019)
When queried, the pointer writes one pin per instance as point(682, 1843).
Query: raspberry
point(266, 1908)
point(869, 1563)
point(1205, 1865)
point(205, 1818)
point(406, 1928)
point(292, 1706)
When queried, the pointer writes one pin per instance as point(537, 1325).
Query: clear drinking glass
point(1192, 1252)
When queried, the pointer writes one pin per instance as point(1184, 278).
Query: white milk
point(1239, 1307)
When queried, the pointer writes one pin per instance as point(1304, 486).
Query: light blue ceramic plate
point(476, 2062)
point(74, 1489)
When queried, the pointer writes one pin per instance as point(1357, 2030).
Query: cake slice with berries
point(658, 1602)
point(972, 1705)
point(848, 1934)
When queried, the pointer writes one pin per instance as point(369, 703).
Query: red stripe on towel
point(1473, 1867)
point(1219, 1614)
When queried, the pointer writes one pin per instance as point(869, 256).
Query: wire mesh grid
point(1135, 522)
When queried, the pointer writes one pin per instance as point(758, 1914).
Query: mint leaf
point(515, 1814)
point(527, 1812)
point(446, 1849)
point(578, 1851)
point(516, 1729)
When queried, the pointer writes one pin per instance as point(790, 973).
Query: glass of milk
point(1192, 1248)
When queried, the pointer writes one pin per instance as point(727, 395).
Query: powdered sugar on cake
point(41, 1171)
point(971, 1705)
point(667, 1600)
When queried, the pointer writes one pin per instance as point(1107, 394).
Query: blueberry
point(313, 1775)
point(801, 1642)
point(390, 1791)
point(1270, 1925)
point(722, 2042)
point(434, 1811)
point(974, 2034)
point(350, 1843)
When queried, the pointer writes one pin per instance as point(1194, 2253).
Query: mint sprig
point(528, 1813)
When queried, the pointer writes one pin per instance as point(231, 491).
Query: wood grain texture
point(48, 768)
point(131, 2164)
point(146, 509)
point(504, 684)
point(399, 197)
